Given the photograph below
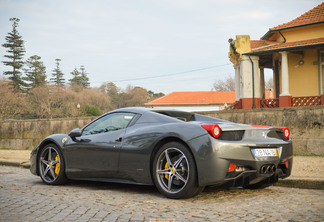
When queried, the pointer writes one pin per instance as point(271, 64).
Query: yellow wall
point(242, 45)
point(304, 33)
point(303, 79)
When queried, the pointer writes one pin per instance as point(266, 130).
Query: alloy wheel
point(49, 164)
point(172, 170)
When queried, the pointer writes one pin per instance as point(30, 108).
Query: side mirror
point(75, 133)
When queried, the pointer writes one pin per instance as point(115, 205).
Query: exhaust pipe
point(263, 170)
point(268, 169)
point(273, 169)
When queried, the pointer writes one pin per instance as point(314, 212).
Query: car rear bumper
point(214, 158)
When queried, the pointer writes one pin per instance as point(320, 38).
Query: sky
point(160, 45)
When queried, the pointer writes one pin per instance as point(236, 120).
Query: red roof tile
point(260, 43)
point(315, 15)
point(195, 98)
point(290, 45)
point(198, 98)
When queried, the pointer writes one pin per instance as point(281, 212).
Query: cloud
point(123, 39)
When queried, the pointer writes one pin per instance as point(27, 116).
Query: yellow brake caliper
point(57, 166)
point(166, 167)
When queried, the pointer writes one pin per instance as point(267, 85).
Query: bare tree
point(133, 96)
point(269, 84)
point(12, 103)
point(51, 102)
point(225, 85)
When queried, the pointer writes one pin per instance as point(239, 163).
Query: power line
point(170, 74)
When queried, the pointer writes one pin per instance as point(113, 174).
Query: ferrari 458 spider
point(179, 152)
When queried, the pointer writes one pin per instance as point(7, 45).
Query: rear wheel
point(51, 165)
point(174, 172)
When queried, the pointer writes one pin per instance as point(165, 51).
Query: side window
point(110, 122)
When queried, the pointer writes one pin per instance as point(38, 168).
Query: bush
point(92, 111)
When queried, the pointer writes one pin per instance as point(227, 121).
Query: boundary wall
point(305, 123)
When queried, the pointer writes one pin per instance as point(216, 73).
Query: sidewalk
point(18, 158)
point(307, 172)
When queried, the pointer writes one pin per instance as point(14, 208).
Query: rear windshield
point(184, 116)
point(202, 118)
point(187, 117)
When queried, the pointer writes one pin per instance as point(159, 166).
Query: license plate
point(265, 152)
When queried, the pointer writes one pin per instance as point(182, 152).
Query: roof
point(268, 46)
point(260, 43)
point(313, 16)
point(195, 98)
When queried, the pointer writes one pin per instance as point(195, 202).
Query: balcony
point(275, 103)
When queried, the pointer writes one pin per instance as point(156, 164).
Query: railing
point(306, 101)
point(233, 106)
point(269, 103)
point(274, 103)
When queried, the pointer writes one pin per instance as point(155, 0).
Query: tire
point(174, 172)
point(51, 165)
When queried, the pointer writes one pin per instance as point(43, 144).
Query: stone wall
point(26, 134)
point(305, 123)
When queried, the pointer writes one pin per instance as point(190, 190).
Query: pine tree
point(80, 78)
point(35, 73)
point(84, 77)
point(16, 50)
point(76, 80)
point(57, 75)
point(114, 94)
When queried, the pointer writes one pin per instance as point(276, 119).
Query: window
point(108, 123)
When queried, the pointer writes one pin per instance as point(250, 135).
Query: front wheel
point(51, 165)
point(174, 172)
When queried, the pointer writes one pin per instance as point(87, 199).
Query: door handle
point(119, 139)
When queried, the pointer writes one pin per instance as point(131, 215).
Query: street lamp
point(78, 106)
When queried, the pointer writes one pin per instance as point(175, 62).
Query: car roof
point(142, 110)
point(139, 110)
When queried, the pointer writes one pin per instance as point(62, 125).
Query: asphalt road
point(23, 197)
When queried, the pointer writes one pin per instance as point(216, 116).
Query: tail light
point(286, 132)
point(213, 129)
point(231, 167)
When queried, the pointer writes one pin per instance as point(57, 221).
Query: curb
point(301, 183)
point(24, 164)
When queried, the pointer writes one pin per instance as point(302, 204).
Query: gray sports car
point(179, 152)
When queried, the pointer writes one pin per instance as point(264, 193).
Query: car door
point(95, 153)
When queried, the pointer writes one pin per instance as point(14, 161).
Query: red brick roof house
point(295, 53)
point(194, 101)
